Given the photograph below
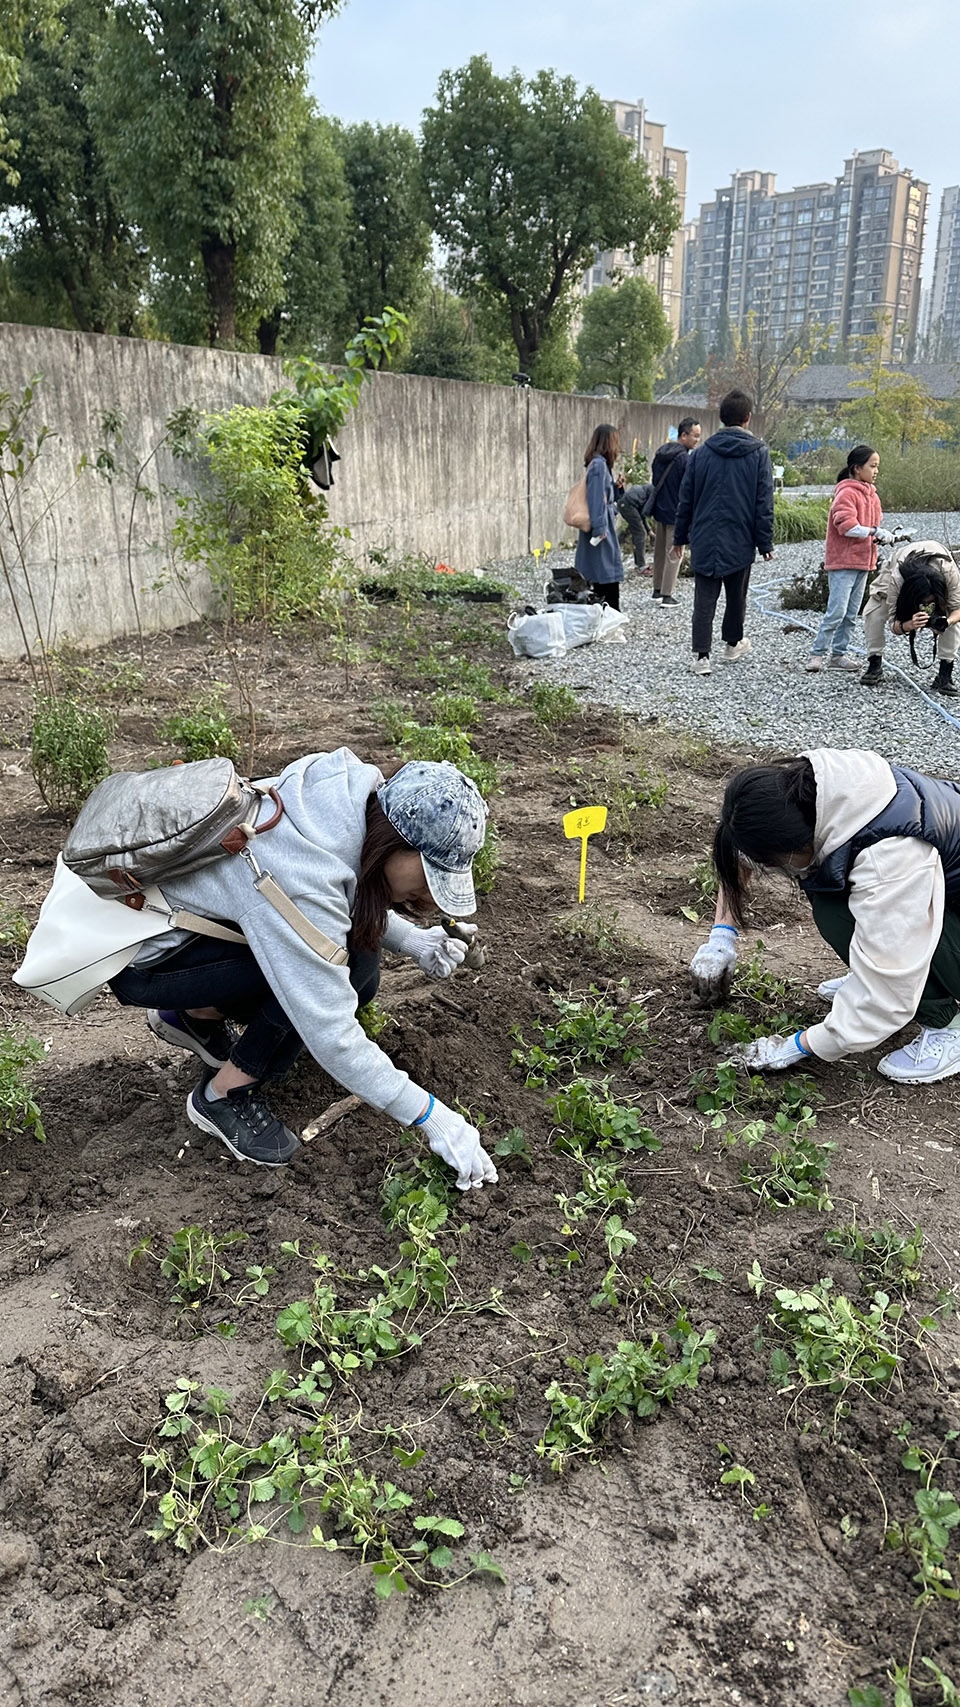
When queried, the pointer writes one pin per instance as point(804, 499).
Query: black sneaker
point(668, 599)
point(211, 1040)
point(244, 1123)
point(657, 597)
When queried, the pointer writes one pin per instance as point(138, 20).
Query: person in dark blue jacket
point(666, 475)
point(598, 557)
point(725, 514)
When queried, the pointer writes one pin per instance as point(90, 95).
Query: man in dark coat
point(666, 476)
point(725, 514)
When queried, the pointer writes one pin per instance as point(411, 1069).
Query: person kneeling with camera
point(917, 588)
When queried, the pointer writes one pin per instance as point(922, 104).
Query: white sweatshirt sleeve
point(896, 898)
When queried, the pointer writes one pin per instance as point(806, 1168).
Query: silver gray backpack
point(140, 827)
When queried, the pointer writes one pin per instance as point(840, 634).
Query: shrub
point(799, 518)
point(391, 717)
point(203, 732)
point(19, 1109)
point(806, 592)
point(455, 710)
point(68, 754)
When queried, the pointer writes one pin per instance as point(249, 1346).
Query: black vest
point(927, 807)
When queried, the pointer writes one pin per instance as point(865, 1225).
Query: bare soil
point(638, 1578)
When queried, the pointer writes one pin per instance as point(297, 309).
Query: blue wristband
point(732, 928)
point(799, 1045)
point(425, 1116)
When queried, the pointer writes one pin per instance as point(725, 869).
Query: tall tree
point(526, 181)
point(684, 364)
point(623, 331)
point(764, 365)
point(388, 239)
point(70, 248)
point(313, 302)
point(199, 109)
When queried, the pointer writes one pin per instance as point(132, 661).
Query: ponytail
point(855, 459)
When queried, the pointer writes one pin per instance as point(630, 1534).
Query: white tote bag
point(538, 636)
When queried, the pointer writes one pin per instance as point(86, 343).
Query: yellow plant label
point(583, 823)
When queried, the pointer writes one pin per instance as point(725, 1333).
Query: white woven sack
point(539, 636)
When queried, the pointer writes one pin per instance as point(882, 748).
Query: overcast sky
point(790, 88)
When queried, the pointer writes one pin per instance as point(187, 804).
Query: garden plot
point(666, 1415)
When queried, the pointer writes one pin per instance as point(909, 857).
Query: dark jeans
point(940, 1000)
point(609, 592)
point(706, 592)
point(224, 975)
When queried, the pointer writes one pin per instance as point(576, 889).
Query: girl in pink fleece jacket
point(853, 531)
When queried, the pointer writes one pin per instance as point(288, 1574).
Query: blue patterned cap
point(442, 814)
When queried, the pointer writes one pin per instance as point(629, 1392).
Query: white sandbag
point(539, 636)
point(581, 623)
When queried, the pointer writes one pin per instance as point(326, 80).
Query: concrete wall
point(465, 473)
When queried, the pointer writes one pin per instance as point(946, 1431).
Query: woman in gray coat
point(598, 557)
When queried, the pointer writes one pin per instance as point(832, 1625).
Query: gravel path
point(767, 699)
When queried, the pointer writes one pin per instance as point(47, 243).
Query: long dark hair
point(372, 898)
point(768, 811)
point(606, 443)
point(855, 459)
point(923, 584)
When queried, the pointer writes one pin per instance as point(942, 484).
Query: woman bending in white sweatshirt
point(876, 847)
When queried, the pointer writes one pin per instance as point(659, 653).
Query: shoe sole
point(179, 1040)
point(206, 1125)
point(919, 1078)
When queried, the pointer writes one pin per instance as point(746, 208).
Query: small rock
point(655, 1685)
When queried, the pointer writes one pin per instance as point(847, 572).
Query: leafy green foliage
point(488, 861)
point(623, 333)
point(324, 397)
point(594, 924)
point(787, 1168)
point(526, 181)
point(797, 519)
point(483, 1399)
point(19, 1109)
point(926, 1537)
point(633, 1381)
point(14, 926)
point(585, 1032)
point(202, 732)
point(374, 1019)
point(553, 706)
point(68, 751)
point(454, 710)
point(194, 1262)
point(832, 1342)
point(883, 1257)
point(435, 741)
point(587, 1115)
point(387, 242)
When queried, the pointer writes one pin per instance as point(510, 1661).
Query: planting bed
point(638, 1577)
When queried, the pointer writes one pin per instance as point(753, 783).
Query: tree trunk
point(268, 332)
point(219, 266)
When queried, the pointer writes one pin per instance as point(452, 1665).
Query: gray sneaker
point(244, 1123)
point(211, 1040)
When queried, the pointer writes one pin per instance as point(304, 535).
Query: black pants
point(609, 592)
point(940, 1000)
point(205, 973)
point(630, 506)
point(706, 592)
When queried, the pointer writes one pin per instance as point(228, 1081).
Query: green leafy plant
point(483, 1399)
point(796, 519)
point(926, 1537)
point(787, 1168)
point(596, 925)
point(883, 1257)
point(455, 710)
point(435, 742)
point(374, 1019)
point(585, 1032)
point(193, 1261)
point(19, 1109)
point(553, 705)
point(68, 751)
point(513, 1147)
point(586, 1115)
point(392, 717)
point(634, 1380)
point(832, 1342)
point(14, 926)
point(488, 861)
point(203, 731)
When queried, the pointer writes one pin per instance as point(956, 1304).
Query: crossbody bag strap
point(185, 921)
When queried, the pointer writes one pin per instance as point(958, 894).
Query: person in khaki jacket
point(918, 587)
point(876, 848)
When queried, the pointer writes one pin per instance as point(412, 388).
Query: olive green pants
point(940, 1001)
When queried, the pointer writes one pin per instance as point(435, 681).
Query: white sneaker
point(732, 653)
point(828, 989)
point(814, 662)
point(701, 666)
point(840, 661)
point(931, 1056)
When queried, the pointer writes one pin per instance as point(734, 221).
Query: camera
point(938, 625)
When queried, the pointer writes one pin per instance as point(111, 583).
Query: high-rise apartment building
point(664, 272)
point(943, 324)
point(844, 257)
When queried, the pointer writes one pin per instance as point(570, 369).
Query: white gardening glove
point(771, 1054)
point(711, 969)
point(437, 953)
point(883, 536)
point(456, 1142)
